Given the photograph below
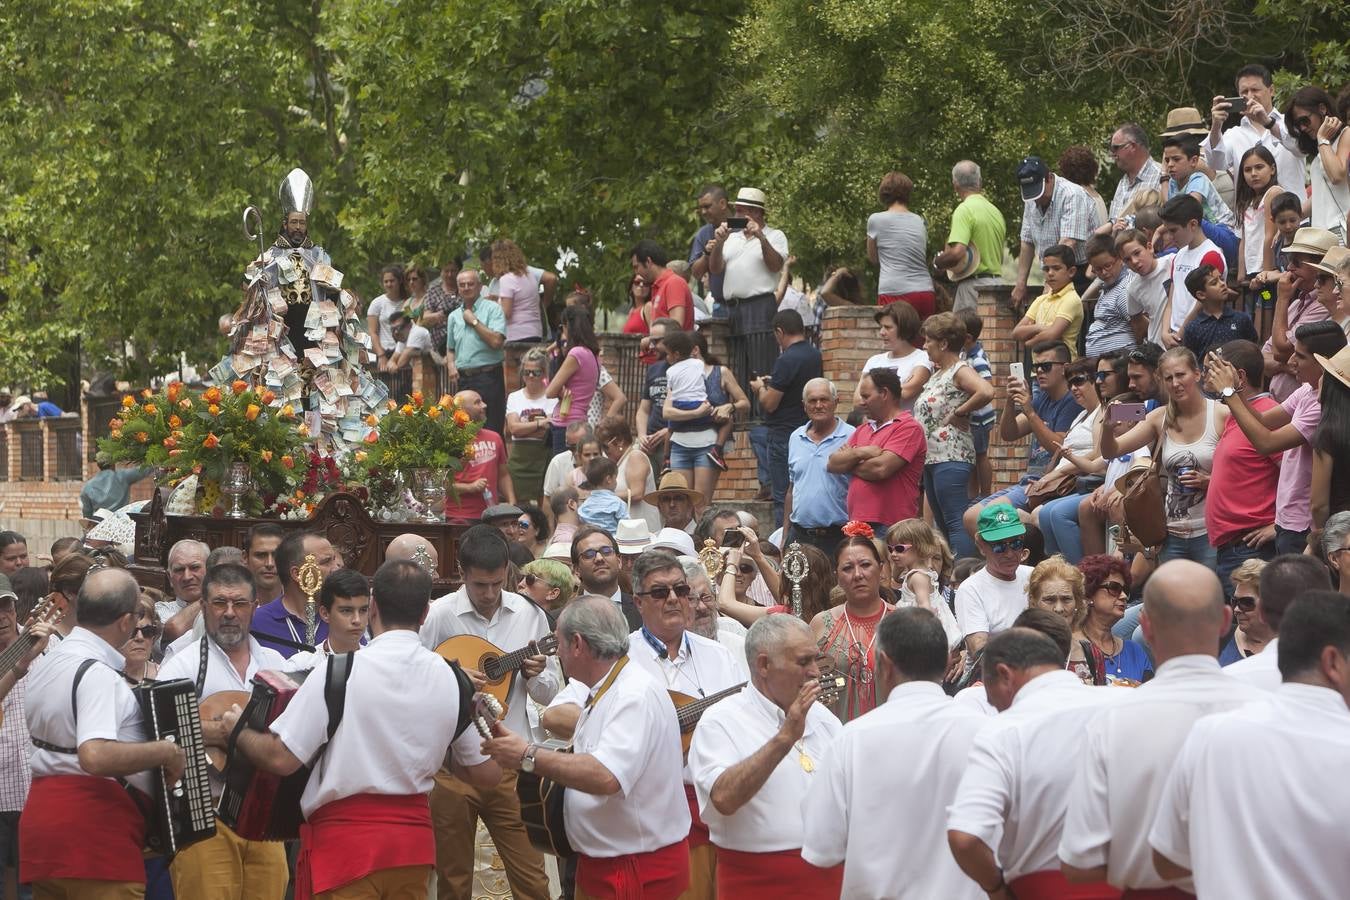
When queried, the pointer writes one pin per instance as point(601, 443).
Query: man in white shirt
point(684, 663)
point(753, 758)
point(1284, 789)
point(1132, 746)
point(749, 258)
point(187, 567)
point(482, 609)
point(623, 809)
point(988, 601)
point(226, 867)
point(80, 827)
point(914, 745)
point(410, 341)
point(1284, 579)
point(1261, 124)
point(1005, 824)
point(367, 823)
point(1147, 294)
point(704, 619)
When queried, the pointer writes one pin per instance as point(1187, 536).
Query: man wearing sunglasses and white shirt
point(988, 601)
point(682, 661)
point(595, 559)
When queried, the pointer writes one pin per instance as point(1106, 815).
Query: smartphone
point(736, 223)
point(1237, 106)
point(732, 537)
point(1018, 371)
point(1125, 412)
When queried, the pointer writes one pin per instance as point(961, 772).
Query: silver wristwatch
point(1227, 392)
point(527, 760)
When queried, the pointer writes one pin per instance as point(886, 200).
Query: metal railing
point(66, 439)
point(31, 449)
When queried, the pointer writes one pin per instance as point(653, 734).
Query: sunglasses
point(532, 373)
point(1079, 380)
point(1116, 148)
point(1101, 376)
point(1113, 587)
point(899, 548)
point(592, 553)
point(1138, 356)
point(149, 632)
point(1246, 604)
point(523, 524)
point(662, 592)
point(1012, 544)
point(1043, 367)
point(1303, 122)
point(530, 579)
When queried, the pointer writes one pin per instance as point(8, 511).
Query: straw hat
point(968, 265)
point(674, 483)
point(1338, 366)
point(1184, 120)
point(1312, 242)
point(1336, 262)
point(748, 196)
point(633, 536)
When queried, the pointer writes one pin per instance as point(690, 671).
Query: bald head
point(415, 548)
point(1184, 610)
point(472, 403)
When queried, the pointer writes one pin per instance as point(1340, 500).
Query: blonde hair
point(930, 545)
point(1249, 573)
point(1185, 355)
point(507, 256)
point(1057, 567)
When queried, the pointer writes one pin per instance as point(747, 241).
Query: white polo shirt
point(516, 623)
point(1261, 670)
point(632, 732)
point(1016, 785)
point(988, 604)
point(1256, 805)
point(1130, 749)
point(746, 274)
point(107, 710)
point(400, 713)
point(733, 731)
point(878, 804)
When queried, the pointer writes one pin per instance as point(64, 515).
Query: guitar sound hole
point(488, 666)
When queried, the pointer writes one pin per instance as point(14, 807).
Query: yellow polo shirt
point(1063, 304)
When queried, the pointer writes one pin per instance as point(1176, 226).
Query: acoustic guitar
point(46, 611)
point(497, 666)
point(690, 709)
point(212, 708)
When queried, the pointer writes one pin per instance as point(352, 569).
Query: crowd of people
point(909, 684)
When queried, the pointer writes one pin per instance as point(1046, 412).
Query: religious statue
point(299, 333)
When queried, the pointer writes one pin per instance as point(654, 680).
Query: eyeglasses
point(223, 605)
point(1043, 367)
point(1245, 604)
point(1116, 148)
point(661, 591)
point(1113, 587)
point(1078, 380)
point(899, 548)
point(149, 632)
point(1302, 122)
point(1014, 544)
point(703, 599)
point(1138, 356)
point(592, 553)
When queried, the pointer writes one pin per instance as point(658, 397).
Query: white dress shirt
point(1290, 166)
point(632, 732)
point(399, 718)
point(1016, 784)
point(1261, 670)
point(221, 675)
point(1130, 749)
point(746, 275)
point(878, 803)
point(733, 731)
point(1256, 805)
point(516, 623)
point(975, 697)
point(107, 710)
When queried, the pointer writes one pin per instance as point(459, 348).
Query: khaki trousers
point(455, 810)
point(86, 889)
point(402, 883)
point(227, 867)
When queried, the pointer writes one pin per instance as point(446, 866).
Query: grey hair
point(747, 519)
point(770, 633)
point(598, 622)
point(694, 569)
point(650, 562)
point(1135, 132)
point(814, 382)
point(188, 544)
point(1334, 533)
point(966, 175)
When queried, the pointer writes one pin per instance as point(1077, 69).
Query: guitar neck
point(510, 662)
point(15, 652)
point(690, 713)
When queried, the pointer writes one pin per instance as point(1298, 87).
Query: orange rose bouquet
point(419, 434)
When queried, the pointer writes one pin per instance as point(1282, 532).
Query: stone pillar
point(848, 337)
point(999, 317)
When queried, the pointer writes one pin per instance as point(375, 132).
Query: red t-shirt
point(489, 454)
point(897, 497)
point(668, 292)
point(1242, 483)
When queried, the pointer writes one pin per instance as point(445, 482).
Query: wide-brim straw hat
point(1338, 366)
point(673, 483)
point(1312, 242)
point(1184, 120)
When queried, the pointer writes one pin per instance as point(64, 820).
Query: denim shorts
point(690, 457)
point(979, 434)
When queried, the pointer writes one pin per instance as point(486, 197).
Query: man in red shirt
point(671, 297)
point(1240, 518)
point(484, 480)
point(884, 455)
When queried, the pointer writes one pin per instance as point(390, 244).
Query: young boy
point(1181, 224)
point(1147, 294)
point(1215, 323)
point(1056, 315)
point(602, 509)
point(982, 420)
point(693, 441)
point(1181, 161)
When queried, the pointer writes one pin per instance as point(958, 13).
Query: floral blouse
point(940, 396)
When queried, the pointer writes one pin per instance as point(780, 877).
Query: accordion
point(257, 805)
point(182, 813)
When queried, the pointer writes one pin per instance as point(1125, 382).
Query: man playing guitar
point(483, 609)
point(368, 826)
point(226, 867)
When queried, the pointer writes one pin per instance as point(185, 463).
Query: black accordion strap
point(74, 712)
point(201, 666)
point(335, 688)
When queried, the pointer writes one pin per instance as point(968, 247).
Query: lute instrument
point(45, 611)
point(497, 666)
point(690, 709)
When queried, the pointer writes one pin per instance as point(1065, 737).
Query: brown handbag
point(1061, 482)
point(1143, 498)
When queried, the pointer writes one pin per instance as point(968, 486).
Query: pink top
point(523, 292)
point(1293, 493)
point(583, 385)
point(1302, 309)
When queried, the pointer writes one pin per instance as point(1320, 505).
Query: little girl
point(1256, 188)
point(920, 565)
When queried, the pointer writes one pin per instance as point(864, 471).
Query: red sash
point(350, 838)
point(1166, 893)
point(659, 875)
point(698, 832)
point(783, 875)
point(1052, 885)
point(96, 815)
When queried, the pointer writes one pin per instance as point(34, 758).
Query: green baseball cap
point(999, 521)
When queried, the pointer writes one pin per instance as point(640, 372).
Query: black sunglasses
point(746, 568)
point(1044, 366)
point(1005, 546)
point(1101, 376)
point(1246, 604)
point(1303, 121)
point(149, 632)
point(530, 579)
point(1078, 380)
point(661, 591)
point(1112, 587)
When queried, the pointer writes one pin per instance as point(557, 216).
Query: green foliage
point(420, 434)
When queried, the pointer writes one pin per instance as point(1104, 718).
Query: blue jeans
point(1287, 541)
point(759, 442)
point(1235, 553)
point(946, 485)
point(1196, 549)
point(682, 457)
point(1059, 527)
point(776, 441)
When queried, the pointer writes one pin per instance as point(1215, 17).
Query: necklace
point(803, 758)
point(864, 655)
